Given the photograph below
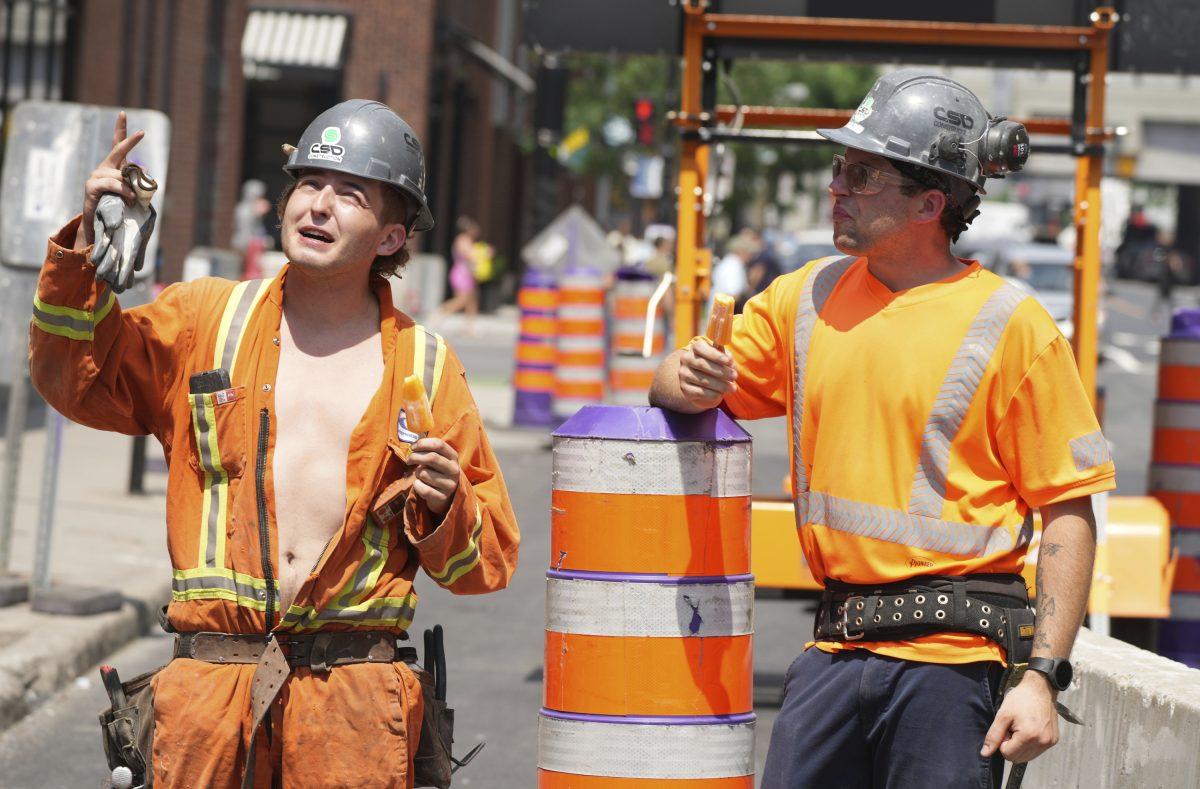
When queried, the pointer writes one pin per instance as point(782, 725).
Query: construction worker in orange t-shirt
point(302, 495)
point(932, 408)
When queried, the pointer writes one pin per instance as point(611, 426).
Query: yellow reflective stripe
point(378, 612)
point(465, 560)
point(74, 324)
point(231, 305)
point(102, 313)
point(62, 331)
point(212, 583)
point(350, 599)
point(211, 551)
point(263, 286)
point(375, 554)
point(223, 572)
point(418, 368)
point(66, 312)
point(438, 365)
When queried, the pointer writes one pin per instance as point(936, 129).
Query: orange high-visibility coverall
point(128, 371)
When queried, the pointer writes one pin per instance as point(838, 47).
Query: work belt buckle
point(853, 610)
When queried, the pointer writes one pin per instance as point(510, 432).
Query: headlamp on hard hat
point(1005, 148)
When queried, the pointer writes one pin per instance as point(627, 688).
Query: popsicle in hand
point(417, 416)
point(720, 321)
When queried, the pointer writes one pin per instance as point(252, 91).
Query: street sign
point(51, 150)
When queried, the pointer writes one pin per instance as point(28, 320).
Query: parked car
point(1046, 271)
point(796, 249)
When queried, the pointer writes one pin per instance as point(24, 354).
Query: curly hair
point(397, 207)
point(962, 203)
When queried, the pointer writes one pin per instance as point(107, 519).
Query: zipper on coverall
point(264, 532)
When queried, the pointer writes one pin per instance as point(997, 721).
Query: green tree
point(776, 83)
point(604, 86)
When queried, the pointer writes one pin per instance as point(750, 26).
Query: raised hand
point(106, 179)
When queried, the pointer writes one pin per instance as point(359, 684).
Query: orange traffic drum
point(1176, 433)
point(630, 373)
point(649, 603)
point(579, 351)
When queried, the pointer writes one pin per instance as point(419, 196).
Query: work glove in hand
point(122, 234)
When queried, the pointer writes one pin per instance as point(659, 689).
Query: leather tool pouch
point(432, 765)
point(128, 733)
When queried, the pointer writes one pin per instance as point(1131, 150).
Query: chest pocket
point(217, 406)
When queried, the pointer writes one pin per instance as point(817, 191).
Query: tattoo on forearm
point(1046, 608)
point(1050, 548)
point(1040, 641)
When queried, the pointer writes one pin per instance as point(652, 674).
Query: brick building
point(238, 78)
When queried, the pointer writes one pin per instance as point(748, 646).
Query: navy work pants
point(856, 720)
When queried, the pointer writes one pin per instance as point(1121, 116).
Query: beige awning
point(293, 39)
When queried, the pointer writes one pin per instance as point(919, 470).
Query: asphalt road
point(494, 643)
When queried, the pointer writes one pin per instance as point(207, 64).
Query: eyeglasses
point(863, 179)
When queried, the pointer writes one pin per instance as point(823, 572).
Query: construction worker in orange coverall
point(299, 504)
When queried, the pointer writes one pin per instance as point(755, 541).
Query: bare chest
point(318, 403)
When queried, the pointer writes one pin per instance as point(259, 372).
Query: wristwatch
point(1058, 671)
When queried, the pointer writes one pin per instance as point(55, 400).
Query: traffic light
point(643, 120)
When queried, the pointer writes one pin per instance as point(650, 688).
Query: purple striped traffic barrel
point(533, 380)
point(649, 604)
point(1175, 479)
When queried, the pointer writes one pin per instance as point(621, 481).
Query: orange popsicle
point(417, 416)
point(720, 321)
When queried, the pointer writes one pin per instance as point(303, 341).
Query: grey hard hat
point(366, 138)
point(931, 121)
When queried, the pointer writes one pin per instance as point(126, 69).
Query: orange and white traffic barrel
point(533, 379)
point(649, 604)
point(630, 373)
point(1175, 479)
point(579, 355)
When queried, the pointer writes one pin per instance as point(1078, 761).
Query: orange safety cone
point(1175, 478)
point(579, 356)
point(649, 604)
point(629, 372)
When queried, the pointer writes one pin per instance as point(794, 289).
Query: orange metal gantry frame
point(700, 28)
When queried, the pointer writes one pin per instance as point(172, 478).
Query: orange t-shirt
point(932, 420)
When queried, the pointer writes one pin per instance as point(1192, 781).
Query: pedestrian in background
point(729, 275)
point(465, 253)
point(763, 268)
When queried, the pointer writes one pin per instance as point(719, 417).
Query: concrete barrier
point(1142, 715)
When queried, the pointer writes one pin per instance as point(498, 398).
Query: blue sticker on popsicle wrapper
point(402, 431)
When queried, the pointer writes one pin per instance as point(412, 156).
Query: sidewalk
point(102, 537)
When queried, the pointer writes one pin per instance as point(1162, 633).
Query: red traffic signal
point(643, 117)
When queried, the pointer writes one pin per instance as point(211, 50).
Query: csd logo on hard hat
point(953, 118)
point(328, 149)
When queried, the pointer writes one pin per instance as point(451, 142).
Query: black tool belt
point(995, 606)
point(318, 651)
